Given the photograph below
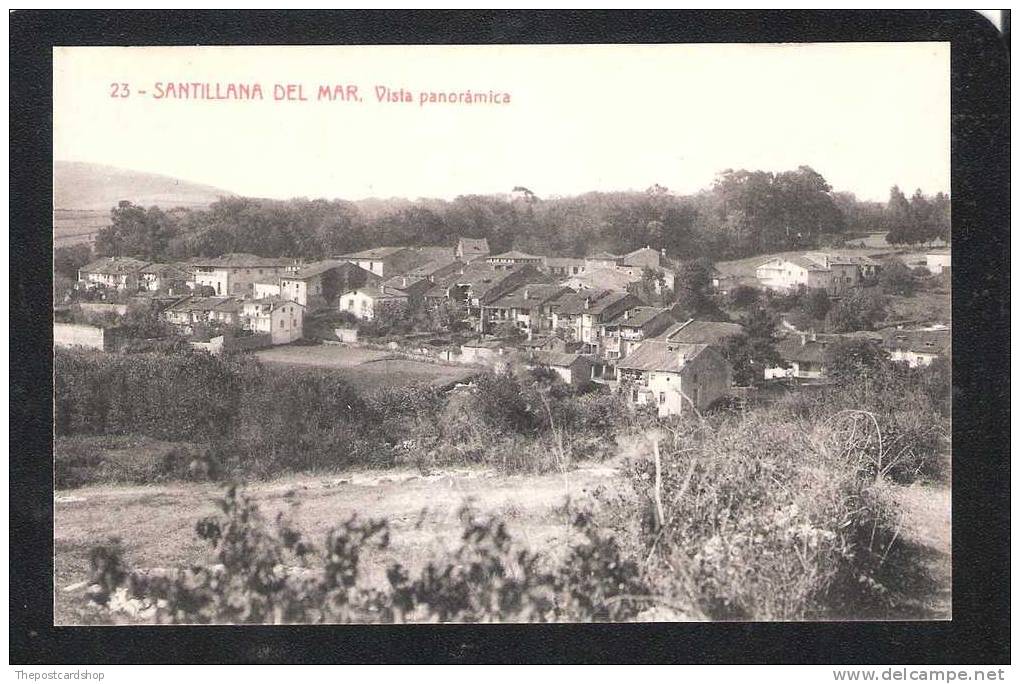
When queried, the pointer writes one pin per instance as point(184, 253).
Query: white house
point(236, 274)
point(834, 274)
point(369, 302)
point(674, 377)
point(917, 347)
point(282, 319)
point(936, 262)
point(115, 273)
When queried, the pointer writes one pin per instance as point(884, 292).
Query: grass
point(368, 369)
point(924, 306)
point(157, 523)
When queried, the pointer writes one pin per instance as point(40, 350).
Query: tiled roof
point(220, 304)
point(604, 256)
point(918, 341)
point(561, 262)
point(243, 260)
point(473, 246)
point(114, 266)
point(701, 332)
point(604, 278)
point(374, 253)
point(317, 268)
point(637, 317)
point(377, 292)
point(538, 293)
point(803, 348)
point(514, 254)
point(160, 269)
point(658, 355)
point(598, 301)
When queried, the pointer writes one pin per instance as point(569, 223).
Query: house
point(821, 271)
point(373, 301)
point(414, 288)
point(436, 268)
point(619, 336)
point(477, 284)
point(806, 356)
point(513, 259)
point(528, 307)
point(563, 267)
point(573, 369)
point(114, 273)
point(385, 261)
point(266, 289)
point(547, 343)
point(665, 277)
point(601, 260)
point(487, 351)
point(471, 249)
point(281, 319)
point(936, 262)
point(674, 377)
point(189, 311)
point(236, 274)
point(600, 278)
point(868, 267)
point(579, 315)
point(691, 331)
point(155, 277)
point(646, 257)
point(917, 347)
point(317, 285)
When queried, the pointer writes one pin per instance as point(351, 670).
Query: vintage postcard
point(504, 333)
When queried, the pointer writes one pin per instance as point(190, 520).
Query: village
point(605, 320)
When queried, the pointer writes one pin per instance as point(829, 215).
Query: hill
point(96, 187)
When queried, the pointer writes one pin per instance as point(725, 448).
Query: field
point(367, 369)
point(157, 523)
point(73, 226)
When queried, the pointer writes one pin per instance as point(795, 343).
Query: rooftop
point(537, 293)
point(514, 254)
point(554, 358)
point(603, 278)
point(221, 304)
point(373, 253)
point(637, 317)
point(114, 266)
point(701, 332)
point(243, 260)
point(659, 355)
point(590, 301)
point(473, 246)
point(317, 268)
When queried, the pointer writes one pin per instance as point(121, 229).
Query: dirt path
point(927, 528)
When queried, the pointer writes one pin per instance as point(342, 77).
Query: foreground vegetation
point(774, 512)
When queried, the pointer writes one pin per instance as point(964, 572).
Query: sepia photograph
point(502, 333)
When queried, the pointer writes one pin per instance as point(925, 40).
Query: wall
point(73, 335)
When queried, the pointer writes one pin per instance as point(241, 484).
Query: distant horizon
point(908, 191)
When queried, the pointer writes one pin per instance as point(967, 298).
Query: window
point(350, 303)
point(662, 397)
point(281, 323)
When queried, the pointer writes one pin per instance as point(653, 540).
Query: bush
point(896, 278)
point(765, 517)
point(744, 295)
point(263, 575)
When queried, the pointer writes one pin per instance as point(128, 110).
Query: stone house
point(674, 377)
point(281, 319)
point(114, 273)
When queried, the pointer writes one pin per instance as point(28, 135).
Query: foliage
point(897, 279)
point(268, 573)
point(859, 309)
point(853, 359)
point(753, 350)
point(67, 260)
point(743, 296)
point(919, 220)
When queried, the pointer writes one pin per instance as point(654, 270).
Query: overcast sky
point(580, 118)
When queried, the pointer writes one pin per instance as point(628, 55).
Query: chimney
point(587, 302)
point(803, 339)
point(626, 314)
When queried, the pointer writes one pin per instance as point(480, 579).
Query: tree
point(744, 295)
point(850, 360)
point(898, 219)
point(815, 304)
point(858, 310)
point(136, 231)
point(941, 213)
point(897, 279)
point(754, 350)
point(68, 260)
point(692, 283)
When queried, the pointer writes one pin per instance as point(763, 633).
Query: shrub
point(897, 278)
point(744, 295)
point(264, 574)
point(765, 517)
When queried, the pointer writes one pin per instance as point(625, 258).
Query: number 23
point(119, 90)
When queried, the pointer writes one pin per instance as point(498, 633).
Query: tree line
point(744, 213)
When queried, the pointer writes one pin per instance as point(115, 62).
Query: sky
point(578, 119)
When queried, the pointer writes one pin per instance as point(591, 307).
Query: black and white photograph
point(502, 333)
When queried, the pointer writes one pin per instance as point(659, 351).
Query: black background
point(979, 631)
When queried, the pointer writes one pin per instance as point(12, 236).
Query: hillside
point(95, 187)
